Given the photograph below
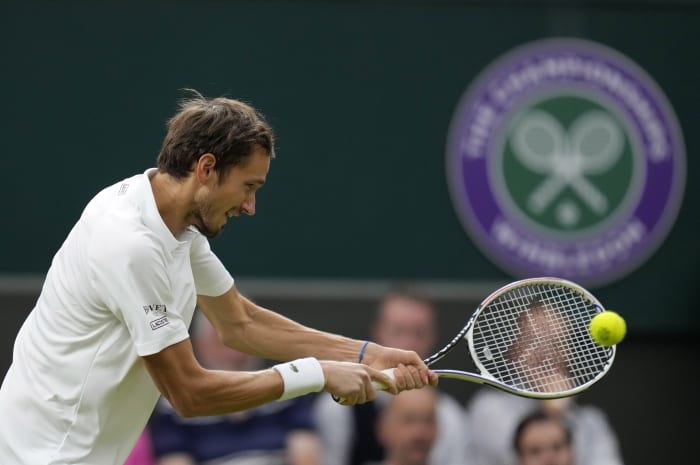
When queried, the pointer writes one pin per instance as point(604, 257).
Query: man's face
point(216, 201)
point(544, 443)
point(406, 324)
point(407, 427)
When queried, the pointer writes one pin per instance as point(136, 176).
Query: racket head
point(531, 338)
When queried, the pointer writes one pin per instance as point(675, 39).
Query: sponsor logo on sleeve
point(155, 309)
point(159, 323)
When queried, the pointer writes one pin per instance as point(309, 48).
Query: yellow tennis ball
point(608, 328)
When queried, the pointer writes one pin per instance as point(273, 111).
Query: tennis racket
point(531, 338)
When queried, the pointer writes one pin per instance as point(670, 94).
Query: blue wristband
point(362, 352)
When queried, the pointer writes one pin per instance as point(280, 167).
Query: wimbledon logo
point(564, 158)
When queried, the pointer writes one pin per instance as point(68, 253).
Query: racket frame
point(484, 377)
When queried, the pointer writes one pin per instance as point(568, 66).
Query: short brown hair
point(228, 129)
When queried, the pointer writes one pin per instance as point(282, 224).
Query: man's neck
point(173, 198)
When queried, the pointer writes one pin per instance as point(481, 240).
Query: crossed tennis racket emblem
point(591, 146)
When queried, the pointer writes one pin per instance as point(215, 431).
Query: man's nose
point(249, 205)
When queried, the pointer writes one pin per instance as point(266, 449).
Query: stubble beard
point(202, 226)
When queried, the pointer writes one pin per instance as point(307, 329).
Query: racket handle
point(381, 386)
point(377, 385)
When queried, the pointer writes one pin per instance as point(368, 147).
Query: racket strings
point(535, 337)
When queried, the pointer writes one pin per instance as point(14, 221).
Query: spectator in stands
point(407, 428)
point(492, 418)
point(278, 433)
point(407, 321)
point(543, 439)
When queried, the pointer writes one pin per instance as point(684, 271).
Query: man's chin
point(209, 232)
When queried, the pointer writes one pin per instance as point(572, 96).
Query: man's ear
point(204, 167)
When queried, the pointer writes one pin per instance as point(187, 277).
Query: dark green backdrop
point(360, 93)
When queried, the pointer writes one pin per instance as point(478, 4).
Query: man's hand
point(410, 372)
point(352, 382)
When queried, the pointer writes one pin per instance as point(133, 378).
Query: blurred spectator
point(542, 439)
point(278, 433)
point(142, 453)
point(493, 415)
point(407, 427)
point(405, 321)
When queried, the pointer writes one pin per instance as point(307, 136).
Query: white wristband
point(301, 376)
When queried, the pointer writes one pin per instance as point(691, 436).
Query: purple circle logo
point(565, 158)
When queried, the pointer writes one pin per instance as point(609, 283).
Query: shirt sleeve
point(210, 276)
point(130, 275)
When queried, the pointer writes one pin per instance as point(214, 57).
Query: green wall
point(360, 94)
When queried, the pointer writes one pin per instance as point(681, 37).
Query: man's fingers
point(404, 377)
point(433, 378)
point(365, 381)
point(411, 377)
point(384, 380)
point(358, 383)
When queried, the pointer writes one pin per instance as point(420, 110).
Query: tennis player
point(109, 332)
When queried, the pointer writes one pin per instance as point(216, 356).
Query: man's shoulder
point(116, 212)
point(122, 196)
point(116, 227)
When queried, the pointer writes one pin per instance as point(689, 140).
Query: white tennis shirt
point(121, 286)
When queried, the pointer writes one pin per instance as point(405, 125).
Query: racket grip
point(377, 385)
point(381, 386)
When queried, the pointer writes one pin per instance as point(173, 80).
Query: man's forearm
point(270, 335)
